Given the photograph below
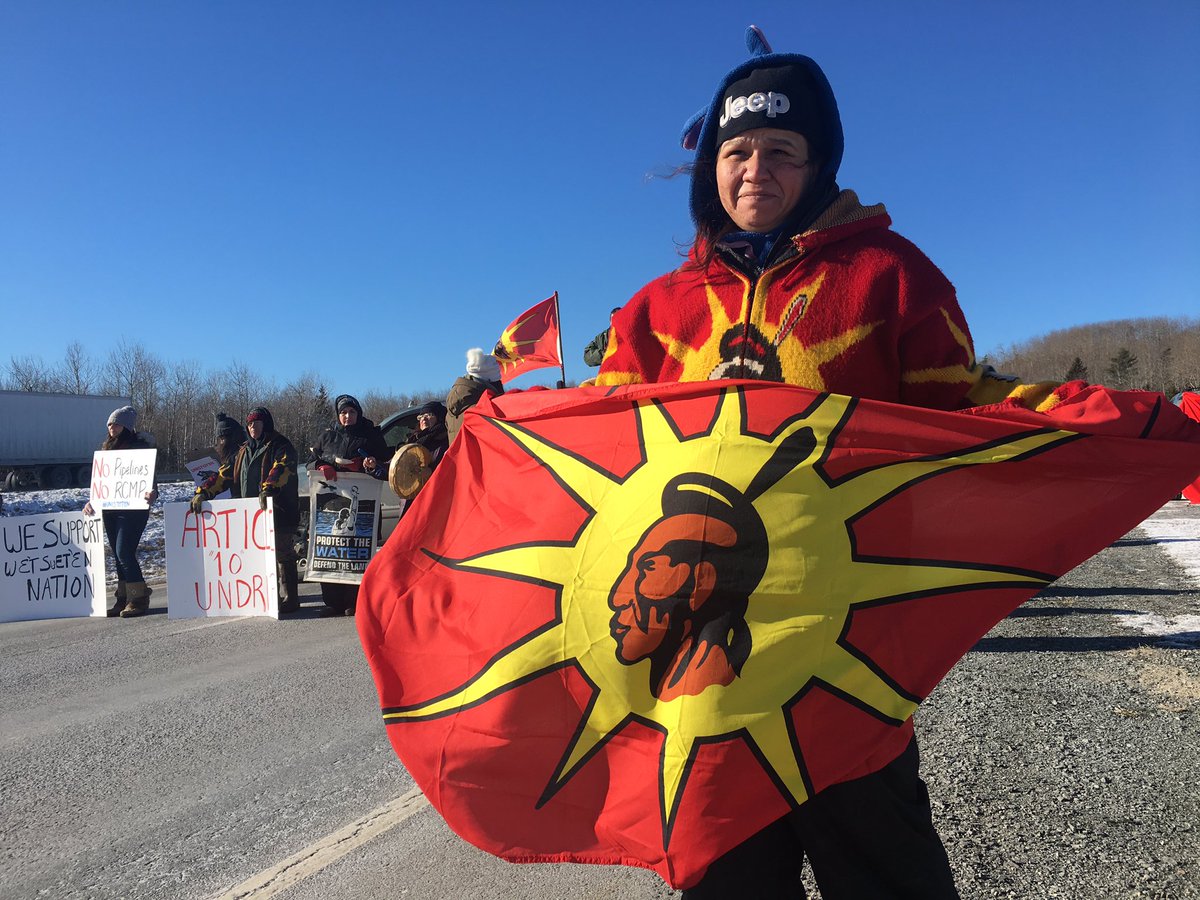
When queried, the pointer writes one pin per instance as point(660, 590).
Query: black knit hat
point(435, 407)
point(230, 429)
point(344, 400)
point(783, 97)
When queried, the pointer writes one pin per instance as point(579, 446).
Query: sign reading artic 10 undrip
point(222, 561)
point(122, 478)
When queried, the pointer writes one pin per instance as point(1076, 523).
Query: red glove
point(329, 473)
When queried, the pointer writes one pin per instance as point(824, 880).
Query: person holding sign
point(124, 527)
point(351, 444)
point(265, 466)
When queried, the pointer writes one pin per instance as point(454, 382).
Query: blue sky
point(367, 189)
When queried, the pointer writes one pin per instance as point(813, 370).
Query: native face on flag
point(681, 599)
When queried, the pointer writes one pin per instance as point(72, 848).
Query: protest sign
point(122, 478)
point(53, 566)
point(202, 470)
point(222, 561)
point(343, 529)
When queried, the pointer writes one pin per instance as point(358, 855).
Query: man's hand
point(197, 503)
point(263, 495)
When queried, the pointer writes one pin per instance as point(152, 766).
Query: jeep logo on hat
point(774, 104)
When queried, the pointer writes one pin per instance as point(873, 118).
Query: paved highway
point(154, 758)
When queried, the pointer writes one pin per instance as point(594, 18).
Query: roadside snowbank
point(152, 554)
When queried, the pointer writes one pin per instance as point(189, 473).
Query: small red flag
point(531, 341)
point(637, 625)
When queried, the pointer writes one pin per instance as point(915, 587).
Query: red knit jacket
point(856, 309)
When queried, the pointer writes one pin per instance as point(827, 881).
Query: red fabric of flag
point(1189, 402)
point(530, 342)
point(637, 625)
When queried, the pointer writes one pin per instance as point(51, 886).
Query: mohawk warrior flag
point(637, 625)
point(531, 341)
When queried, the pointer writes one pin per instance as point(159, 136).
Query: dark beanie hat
point(435, 407)
point(781, 97)
point(344, 400)
point(262, 414)
point(230, 429)
point(811, 110)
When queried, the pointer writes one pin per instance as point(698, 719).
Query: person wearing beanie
point(124, 527)
point(791, 279)
point(353, 443)
point(229, 437)
point(483, 377)
point(431, 431)
point(264, 467)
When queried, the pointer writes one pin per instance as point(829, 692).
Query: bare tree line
point(1158, 354)
point(177, 401)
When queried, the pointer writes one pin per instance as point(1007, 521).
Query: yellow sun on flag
point(785, 628)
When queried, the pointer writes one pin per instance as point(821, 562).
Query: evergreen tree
point(1077, 372)
point(1122, 369)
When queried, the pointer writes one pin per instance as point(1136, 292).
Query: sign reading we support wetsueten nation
point(53, 566)
point(122, 478)
point(344, 525)
point(222, 561)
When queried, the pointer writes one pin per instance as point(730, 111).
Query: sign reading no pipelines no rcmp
point(122, 478)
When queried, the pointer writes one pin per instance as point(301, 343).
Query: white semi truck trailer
point(47, 440)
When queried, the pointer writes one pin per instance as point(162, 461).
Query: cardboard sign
point(53, 566)
point(204, 468)
point(221, 562)
point(122, 478)
point(343, 527)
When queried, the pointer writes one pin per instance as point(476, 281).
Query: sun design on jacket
point(709, 586)
point(771, 349)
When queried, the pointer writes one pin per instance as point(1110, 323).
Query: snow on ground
point(1177, 534)
point(151, 555)
point(1176, 530)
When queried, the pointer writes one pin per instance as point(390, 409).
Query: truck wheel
point(54, 478)
point(83, 476)
point(12, 482)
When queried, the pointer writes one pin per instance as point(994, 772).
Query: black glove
point(197, 503)
point(263, 495)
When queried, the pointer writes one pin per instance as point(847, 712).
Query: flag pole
point(561, 365)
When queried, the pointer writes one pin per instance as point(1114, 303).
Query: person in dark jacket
point(124, 527)
point(483, 377)
point(229, 439)
point(593, 353)
point(431, 431)
point(351, 444)
point(265, 467)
